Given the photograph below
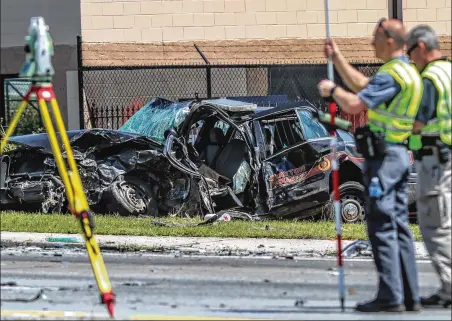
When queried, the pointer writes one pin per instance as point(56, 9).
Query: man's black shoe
point(413, 307)
point(378, 306)
point(435, 299)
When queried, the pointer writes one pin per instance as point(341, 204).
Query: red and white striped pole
point(335, 171)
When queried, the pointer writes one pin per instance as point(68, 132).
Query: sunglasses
point(410, 50)
point(380, 25)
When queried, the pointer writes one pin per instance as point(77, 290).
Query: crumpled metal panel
point(102, 156)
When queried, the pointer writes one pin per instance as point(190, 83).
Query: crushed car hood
point(83, 140)
point(102, 155)
point(38, 141)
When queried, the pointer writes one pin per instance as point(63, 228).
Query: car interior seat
point(230, 158)
point(216, 141)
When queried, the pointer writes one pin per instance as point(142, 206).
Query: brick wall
point(188, 20)
point(436, 13)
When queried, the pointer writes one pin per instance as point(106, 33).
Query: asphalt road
point(187, 286)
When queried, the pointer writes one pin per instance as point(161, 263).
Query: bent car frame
point(196, 157)
point(267, 162)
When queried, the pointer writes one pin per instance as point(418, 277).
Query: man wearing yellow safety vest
point(392, 99)
point(432, 144)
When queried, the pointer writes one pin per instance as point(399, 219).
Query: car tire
point(352, 195)
point(130, 196)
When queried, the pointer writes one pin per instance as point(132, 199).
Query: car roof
point(233, 106)
point(266, 111)
point(230, 105)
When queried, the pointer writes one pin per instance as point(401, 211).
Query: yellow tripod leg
point(73, 186)
point(56, 150)
point(12, 126)
point(79, 203)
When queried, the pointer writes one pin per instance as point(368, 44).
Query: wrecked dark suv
point(195, 158)
point(267, 162)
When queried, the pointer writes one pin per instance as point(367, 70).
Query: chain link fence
point(14, 90)
point(111, 95)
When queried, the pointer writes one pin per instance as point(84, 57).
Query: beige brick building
point(170, 27)
point(155, 32)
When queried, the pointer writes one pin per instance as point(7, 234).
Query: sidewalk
point(189, 245)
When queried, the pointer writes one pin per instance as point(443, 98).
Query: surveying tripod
point(38, 67)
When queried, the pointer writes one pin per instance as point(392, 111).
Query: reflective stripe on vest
point(439, 72)
point(397, 119)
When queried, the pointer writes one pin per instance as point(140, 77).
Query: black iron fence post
point(209, 81)
point(80, 82)
point(208, 72)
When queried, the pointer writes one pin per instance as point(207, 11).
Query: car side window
point(222, 125)
point(194, 131)
point(312, 127)
point(281, 131)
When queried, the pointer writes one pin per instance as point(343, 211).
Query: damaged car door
point(290, 169)
point(219, 158)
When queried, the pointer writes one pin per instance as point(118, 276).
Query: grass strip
point(116, 225)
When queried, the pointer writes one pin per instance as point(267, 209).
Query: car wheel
point(352, 203)
point(131, 196)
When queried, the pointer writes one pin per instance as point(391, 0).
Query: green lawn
point(115, 225)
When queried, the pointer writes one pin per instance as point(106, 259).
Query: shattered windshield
point(154, 118)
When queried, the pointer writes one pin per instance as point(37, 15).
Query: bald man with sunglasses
point(391, 98)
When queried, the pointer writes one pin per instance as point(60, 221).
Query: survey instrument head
point(38, 52)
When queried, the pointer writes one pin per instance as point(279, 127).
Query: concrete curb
point(187, 245)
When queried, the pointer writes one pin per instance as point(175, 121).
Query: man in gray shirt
point(432, 128)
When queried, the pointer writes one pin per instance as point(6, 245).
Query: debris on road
point(358, 248)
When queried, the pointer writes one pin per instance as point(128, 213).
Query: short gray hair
point(425, 34)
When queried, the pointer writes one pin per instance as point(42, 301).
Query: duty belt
point(427, 151)
point(382, 135)
point(432, 150)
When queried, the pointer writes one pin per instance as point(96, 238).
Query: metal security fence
point(111, 95)
point(13, 92)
